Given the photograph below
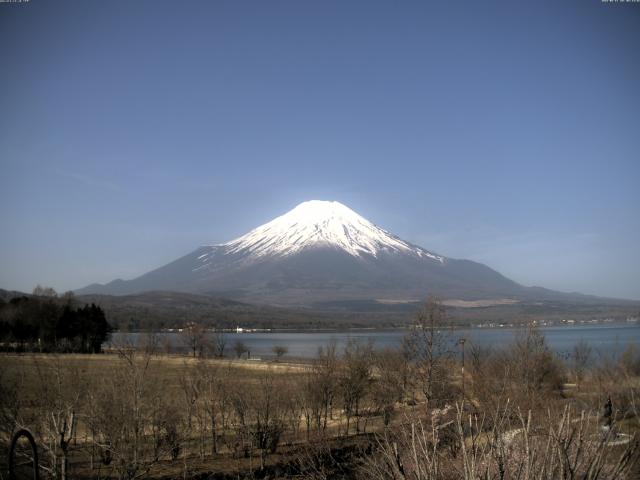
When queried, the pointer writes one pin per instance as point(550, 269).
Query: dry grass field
point(521, 412)
point(29, 379)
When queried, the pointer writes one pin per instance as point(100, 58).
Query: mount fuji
point(322, 252)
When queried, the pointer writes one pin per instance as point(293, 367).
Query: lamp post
point(461, 343)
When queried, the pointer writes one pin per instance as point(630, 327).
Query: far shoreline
point(482, 326)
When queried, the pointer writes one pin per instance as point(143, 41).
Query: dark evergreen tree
point(49, 323)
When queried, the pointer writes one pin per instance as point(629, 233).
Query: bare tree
point(10, 406)
point(311, 403)
point(240, 348)
point(325, 386)
point(129, 402)
point(149, 343)
point(430, 344)
point(534, 365)
point(630, 359)
point(191, 386)
point(60, 391)
point(279, 351)
point(219, 342)
point(194, 337)
point(580, 359)
point(355, 378)
point(40, 291)
point(565, 448)
point(490, 374)
point(389, 386)
point(217, 401)
point(265, 416)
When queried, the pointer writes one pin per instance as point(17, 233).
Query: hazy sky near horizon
point(503, 132)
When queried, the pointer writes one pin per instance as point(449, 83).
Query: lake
point(608, 339)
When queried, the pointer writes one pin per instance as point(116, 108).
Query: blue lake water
point(605, 339)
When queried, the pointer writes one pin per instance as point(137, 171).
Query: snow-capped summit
point(321, 223)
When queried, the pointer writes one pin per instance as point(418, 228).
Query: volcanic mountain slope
point(321, 252)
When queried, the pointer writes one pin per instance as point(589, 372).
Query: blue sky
point(503, 132)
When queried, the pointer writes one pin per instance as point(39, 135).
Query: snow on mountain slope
point(320, 223)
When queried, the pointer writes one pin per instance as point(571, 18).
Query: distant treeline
point(47, 322)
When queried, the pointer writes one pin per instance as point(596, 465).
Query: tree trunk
point(214, 435)
point(63, 466)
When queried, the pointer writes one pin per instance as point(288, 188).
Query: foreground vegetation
point(414, 412)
